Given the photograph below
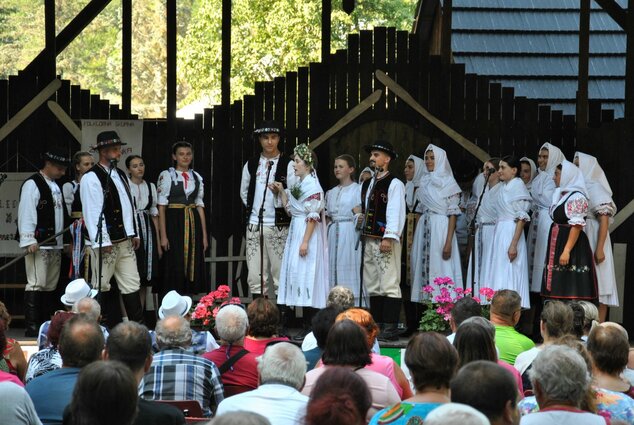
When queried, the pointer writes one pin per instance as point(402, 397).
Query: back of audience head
point(431, 360)
point(456, 414)
point(609, 348)
point(172, 332)
point(323, 321)
point(339, 397)
point(3, 337)
point(364, 319)
point(57, 324)
point(464, 308)
point(5, 315)
point(590, 315)
point(341, 296)
point(264, 318)
point(556, 319)
point(506, 304)
point(475, 340)
point(346, 345)
point(81, 341)
point(232, 323)
point(239, 418)
point(105, 394)
point(131, 344)
point(578, 319)
point(282, 363)
point(88, 306)
point(495, 394)
point(559, 376)
point(589, 401)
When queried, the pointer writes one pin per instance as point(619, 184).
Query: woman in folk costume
point(528, 171)
point(435, 248)
point(508, 267)
point(366, 174)
point(601, 209)
point(182, 224)
point(569, 271)
point(342, 202)
point(304, 272)
point(480, 260)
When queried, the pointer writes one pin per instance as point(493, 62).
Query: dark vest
point(252, 167)
point(45, 227)
point(377, 206)
point(112, 212)
point(75, 207)
point(177, 193)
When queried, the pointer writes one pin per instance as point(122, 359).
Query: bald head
point(81, 341)
point(173, 331)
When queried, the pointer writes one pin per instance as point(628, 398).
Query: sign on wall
point(129, 131)
point(9, 200)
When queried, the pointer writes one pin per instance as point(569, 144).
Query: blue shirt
point(403, 412)
point(52, 392)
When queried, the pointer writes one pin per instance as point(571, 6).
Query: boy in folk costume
point(383, 202)
point(41, 215)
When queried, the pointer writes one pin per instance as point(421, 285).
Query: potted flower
point(204, 314)
point(438, 307)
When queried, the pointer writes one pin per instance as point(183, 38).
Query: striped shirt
point(177, 374)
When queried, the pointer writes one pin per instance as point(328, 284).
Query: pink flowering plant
point(204, 314)
point(438, 307)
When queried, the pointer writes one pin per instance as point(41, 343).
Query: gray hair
point(456, 414)
point(283, 363)
point(561, 373)
point(231, 323)
point(89, 306)
point(341, 296)
point(240, 418)
point(481, 321)
point(173, 331)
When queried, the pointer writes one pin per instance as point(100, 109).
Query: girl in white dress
point(528, 171)
point(601, 209)
point(435, 247)
point(341, 203)
point(509, 263)
point(82, 163)
point(304, 272)
point(484, 226)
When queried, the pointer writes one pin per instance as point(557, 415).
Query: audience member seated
point(505, 313)
point(238, 367)
point(130, 344)
point(338, 296)
point(12, 354)
point(490, 389)
point(240, 418)
point(384, 365)
point(588, 320)
point(174, 304)
point(609, 348)
point(560, 381)
point(282, 368)
point(456, 414)
point(340, 397)
point(347, 346)
point(264, 323)
point(432, 362)
point(464, 308)
point(16, 407)
point(556, 321)
point(176, 373)
point(475, 340)
point(321, 324)
point(48, 359)
point(4, 375)
point(105, 394)
point(80, 344)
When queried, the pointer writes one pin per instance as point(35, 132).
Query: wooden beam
point(48, 68)
point(615, 11)
point(29, 108)
point(622, 215)
point(326, 22)
point(225, 72)
point(584, 58)
point(172, 32)
point(65, 119)
point(445, 41)
point(126, 57)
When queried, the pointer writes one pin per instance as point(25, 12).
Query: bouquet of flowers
point(438, 307)
point(204, 314)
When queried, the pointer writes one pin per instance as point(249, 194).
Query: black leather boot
point(133, 307)
point(32, 305)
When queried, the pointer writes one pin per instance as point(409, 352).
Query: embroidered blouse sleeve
point(605, 209)
point(153, 208)
point(576, 207)
point(453, 204)
point(520, 209)
point(201, 192)
point(163, 187)
point(313, 205)
point(244, 184)
point(27, 213)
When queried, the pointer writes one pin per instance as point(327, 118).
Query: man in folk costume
point(118, 238)
point(256, 192)
point(41, 215)
point(383, 201)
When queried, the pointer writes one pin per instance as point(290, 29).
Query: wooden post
point(584, 57)
point(48, 69)
point(126, 57)
point(629, 71)
point(326, 12)
point(445, 43)
point(225, 73)
point(171, 69)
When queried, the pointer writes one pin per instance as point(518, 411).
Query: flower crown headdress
point(304, 153)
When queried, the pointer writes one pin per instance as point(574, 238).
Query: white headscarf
point(365, 170)
point(533, 168)
point(419, 170)
point(441, 178)
point(571, 181)
point(555, 157)
point(599, 190)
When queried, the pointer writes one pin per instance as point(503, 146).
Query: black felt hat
point(107, 138)
point(58, 155)
point(266, 127)
point(383, 146)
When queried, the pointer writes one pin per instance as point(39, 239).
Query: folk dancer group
point(541, 232)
